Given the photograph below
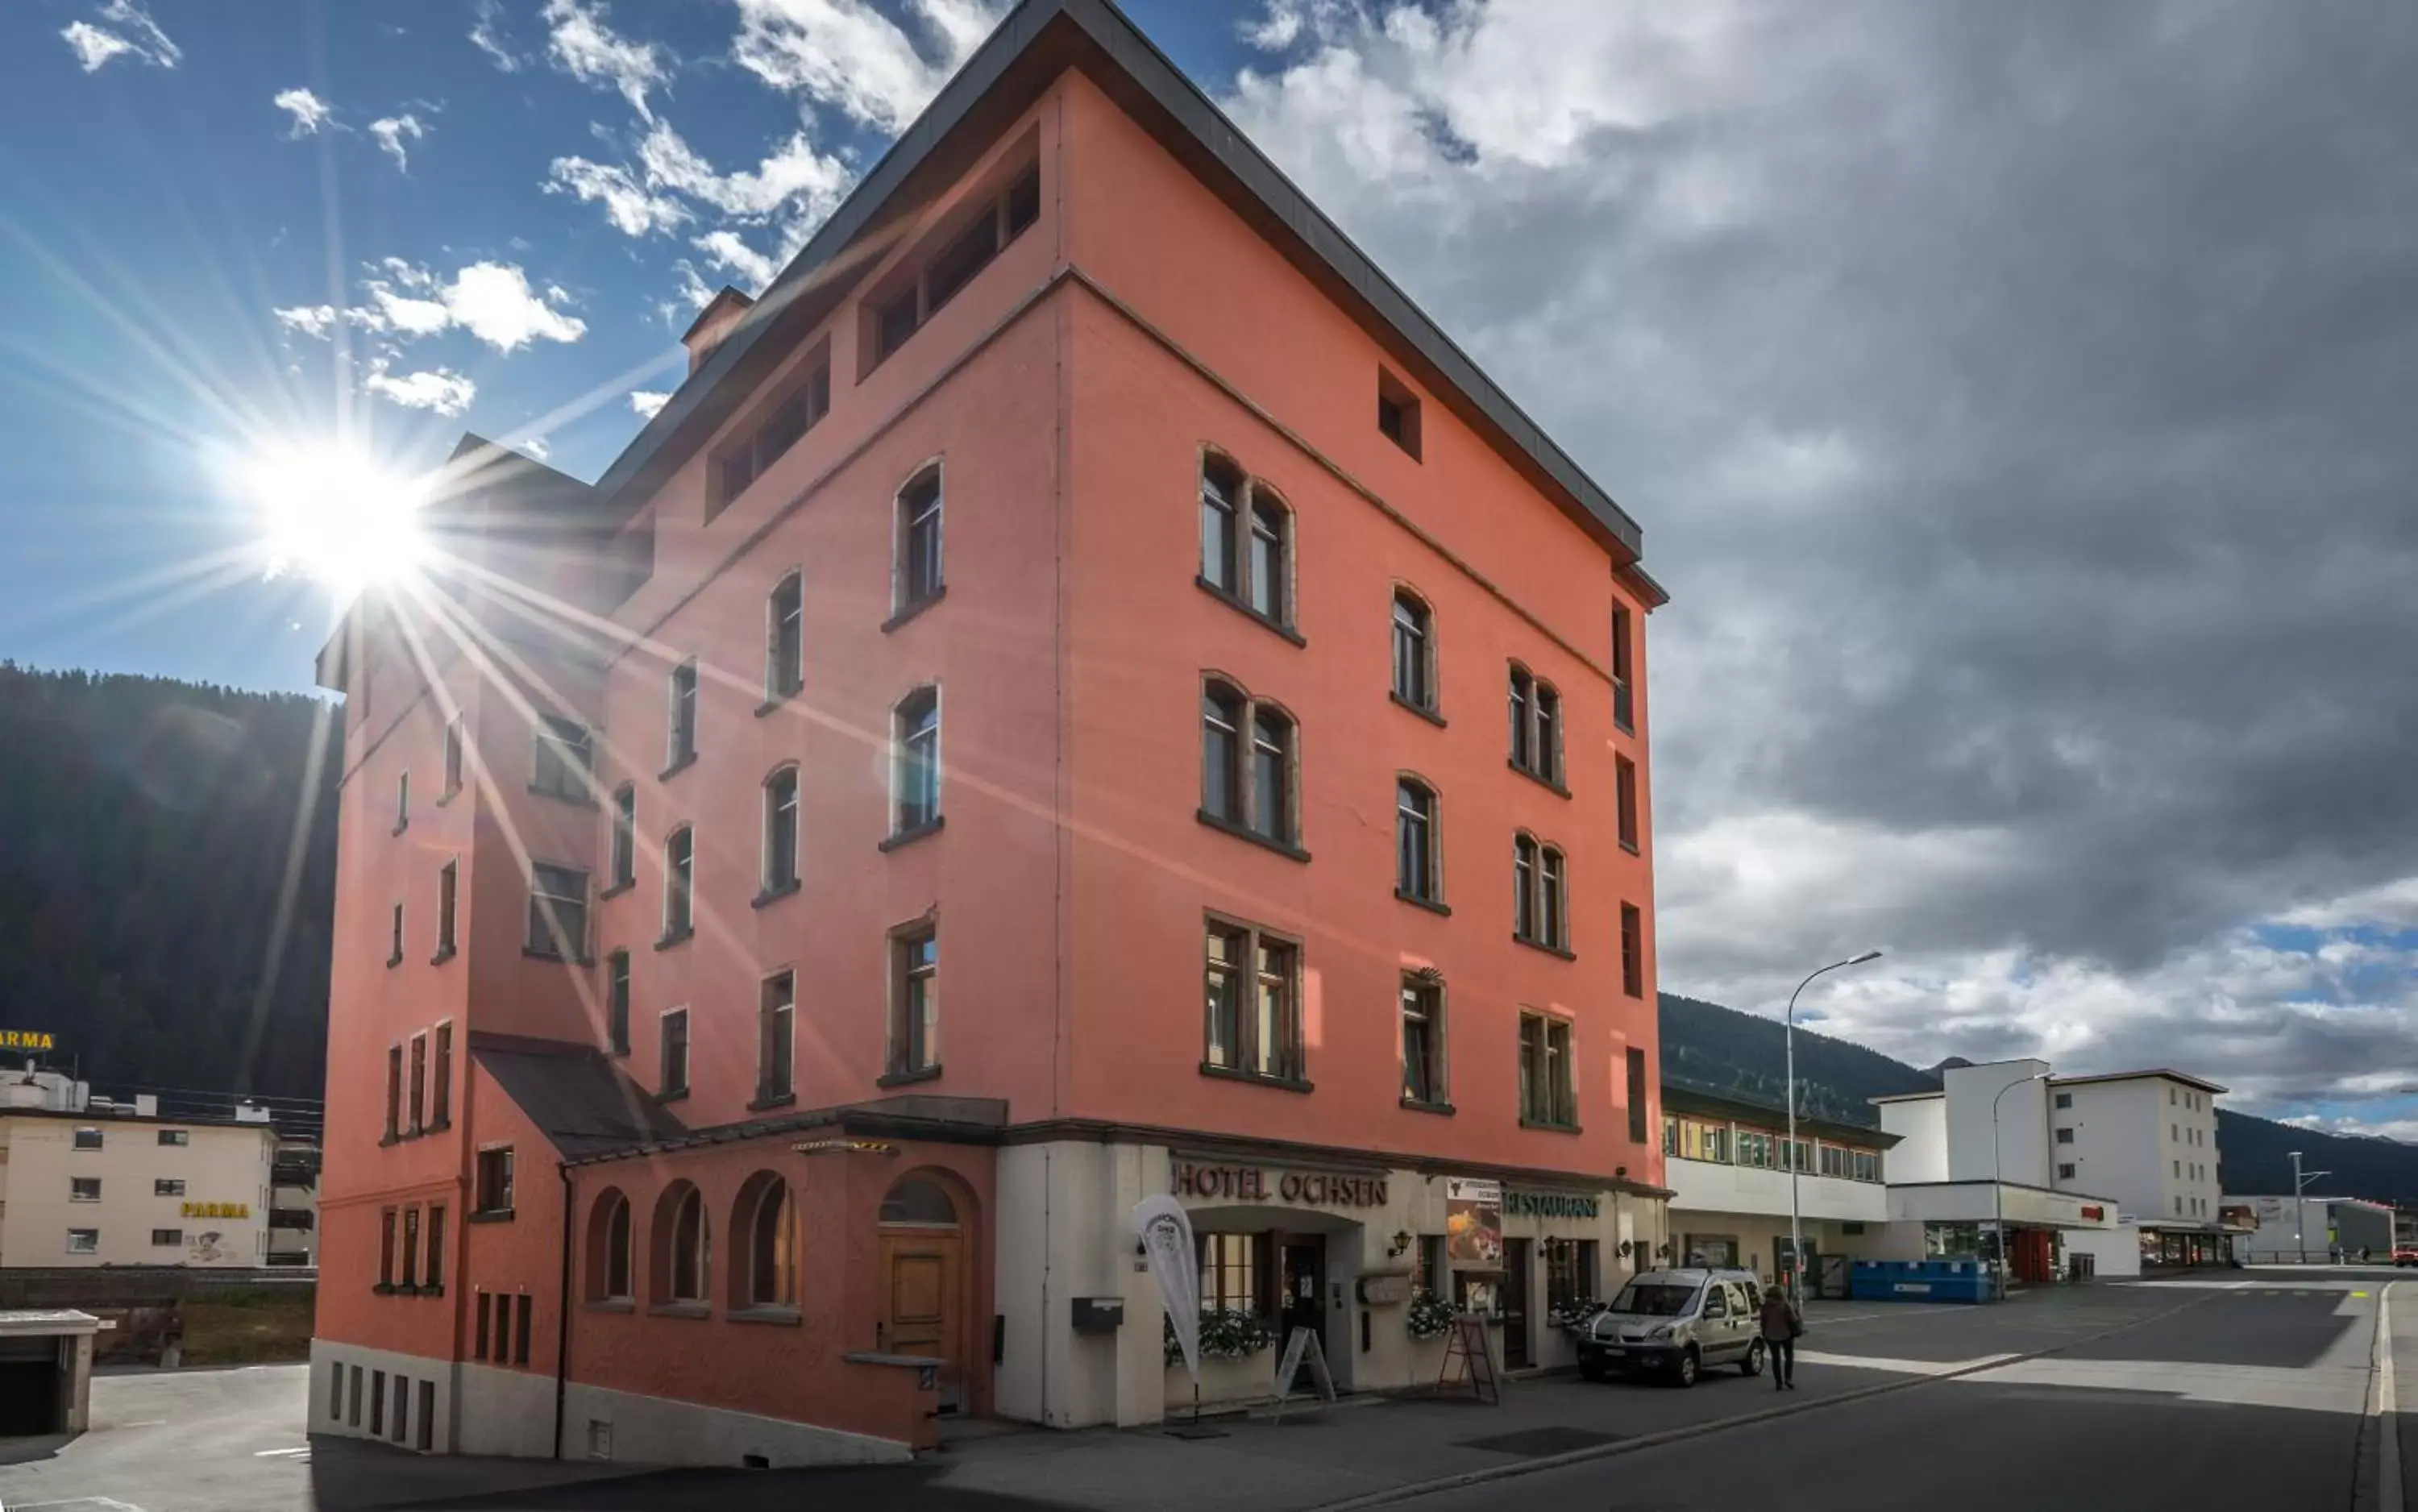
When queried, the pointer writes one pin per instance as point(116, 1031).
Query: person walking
point(1782, 1324)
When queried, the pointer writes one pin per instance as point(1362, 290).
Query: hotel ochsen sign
point(1306, 1188)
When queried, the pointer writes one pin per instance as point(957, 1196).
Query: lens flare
point(336, 515)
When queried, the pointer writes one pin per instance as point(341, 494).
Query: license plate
point(1615, 1353)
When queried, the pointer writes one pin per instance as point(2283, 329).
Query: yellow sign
point(27, 1039)
point(217, 1209)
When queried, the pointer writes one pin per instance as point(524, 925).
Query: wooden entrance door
point(1515, 1304)
point(923, 1275)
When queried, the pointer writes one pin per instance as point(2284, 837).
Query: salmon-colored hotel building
point(1022, 730)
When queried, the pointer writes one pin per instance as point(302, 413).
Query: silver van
point(1680, 1323)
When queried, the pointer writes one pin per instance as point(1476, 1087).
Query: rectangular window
point(915, 1000)
point(495, 1180)
point(680, 883)
point(478, 1341)
point(565, 753)
point(673, 1053)
point(679, 742)
point(1546, 1095)
point(616, 1001)
point(1636, 1058)
point(394, 1092)
point(84, 1188)
point(394, 940)
point(411, 1246)
point(402, 802)
point(1632, 950)
point(784, 637)
point(427, 1412)
point(1423, 1040)
point(1253, 990)
point(440, 1094)
point(83, 1240)
point(558, 911)
point(2064, 1101)
point(1570, 1272)
point(163, 1238)
point(176, 1138)
point(419, 1080)
point(894, 322)
point(1416, 873)
point(521, 1329)
point(378, 1403)
point(1414, 652)
point(623, 869)
point(916, 731)
point(386, 1247)
point(453, 758)
point(1622, 709)
point(448, 885)
point(773, 1055)
point(168, 1187)
point(1624, 784)
point(436, 1273)
point(88, 1138)
point(1398, 413)
point(780, 845)
point(2065, 1136)
point(1834, 1161)
point(1229, 1273)
point(919, 542)
point(1552, 898)
point(955, 265)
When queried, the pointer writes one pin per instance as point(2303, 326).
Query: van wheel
point(1683, 1374)
point(1753, 1364)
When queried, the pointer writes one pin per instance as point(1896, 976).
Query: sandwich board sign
point(1302, 1347)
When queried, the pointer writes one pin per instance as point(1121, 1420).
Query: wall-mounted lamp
point(1400, 1241)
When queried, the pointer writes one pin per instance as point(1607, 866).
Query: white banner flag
point(1166, 1232)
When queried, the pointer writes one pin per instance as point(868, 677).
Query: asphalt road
point(2253, 1397)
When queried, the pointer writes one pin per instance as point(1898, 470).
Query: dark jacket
point(1780, 1318)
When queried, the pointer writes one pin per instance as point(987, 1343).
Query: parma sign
point(27, 1039)
point(214, 1210)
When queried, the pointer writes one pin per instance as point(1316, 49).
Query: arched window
point(915, 733)
point(1540, 894)
point(919, 541)
point(781, 831)
point(680, 883)
point(1221, 504)
point(678, 1245)
point(1222, 718)
point(784, 637)
point(1536, 727)
point(1415, 681)
point(766, 1274)
point(1271, 756)
point(609, 1247)
point(919, 1201)
point(1418, 871)
point(1552, 899)
point(1246, 542)
point(1271, 542)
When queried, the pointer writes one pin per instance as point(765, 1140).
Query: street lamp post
point(2300, 1209)
point(1998, 1181)
point(1796, 1227)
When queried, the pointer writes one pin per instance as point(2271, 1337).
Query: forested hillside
point(145, 831)
point(1719, 1049)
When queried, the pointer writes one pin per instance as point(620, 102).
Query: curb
point(1698, 1430)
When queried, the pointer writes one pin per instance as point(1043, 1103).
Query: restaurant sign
point(214, 1210)
point(1518, 1204)
point(1304, 1188)
point(1473, 1224)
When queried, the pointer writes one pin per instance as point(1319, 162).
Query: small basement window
point(1397, 412)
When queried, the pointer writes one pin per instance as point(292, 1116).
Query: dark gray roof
point(1037, 43)
point(579, 1100)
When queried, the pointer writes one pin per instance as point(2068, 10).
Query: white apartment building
point(1729, 1168)
point(2147, 1139)
point(87, 1182)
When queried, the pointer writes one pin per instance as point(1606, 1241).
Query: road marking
point(1902, 1367)
point(302, 1453)
point(2388, 1459)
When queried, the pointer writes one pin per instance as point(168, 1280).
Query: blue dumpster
point(1931, 1281)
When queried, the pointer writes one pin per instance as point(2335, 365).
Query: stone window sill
point(617, 889)
point(1548, 783)
point(903, 1079)
point(444, 954)
point(672, 1095)
point(679, 764)
point(1415, 1106)
point(910, 611)
point(911, 834)
point(393, 961)
point(770, 1100)
point(680, 1309)
point(779, 1317)
point(1429, 904)
point(1426, 713)
point(780, 696)
point(1550, 1125)
point(1631, 845)
point(1240, 607)
point(678, 937)
point(1242, 832)
point(1296, 1084)
point(1536, 944)
point(775, 895)
point(489, 1215)
point(611, 1305)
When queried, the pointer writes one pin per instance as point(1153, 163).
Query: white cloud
point(390, 130)
point(634, 210)
point(492, 302)
point(136, 34)
point(724, 250)
point(487, 36)
point(308, 111)
point(440, 391)
point(645, 402)
point(848, 55)
point(534, 446)
point(582, 45)
point(794, 173)
point(315, 320)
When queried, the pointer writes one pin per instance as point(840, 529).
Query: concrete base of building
point(462, 1407)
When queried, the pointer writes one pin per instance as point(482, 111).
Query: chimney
point(717, 320)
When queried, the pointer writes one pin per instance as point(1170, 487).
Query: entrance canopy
point(2017, 1203)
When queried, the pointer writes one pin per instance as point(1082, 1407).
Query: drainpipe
point(562, 1312)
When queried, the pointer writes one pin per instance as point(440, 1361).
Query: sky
point(2020, 403)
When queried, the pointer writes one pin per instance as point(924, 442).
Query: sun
point(336, 515)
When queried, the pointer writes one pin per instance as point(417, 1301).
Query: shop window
point(678, 1250)
point(1229, 1273)
point(1570, 1272)
point(1423, 1065)
point(1253, 995)
point(1547, 1097)
point(767, 1274)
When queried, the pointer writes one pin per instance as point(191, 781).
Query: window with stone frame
point(1423, 1039)
point(1536, 712)
point(1250, 764)
point(1246, 533)
point(1418, 845)
point(1253, 1025)
point(1415, 667)
point(1547, 1097)
point(918, 577)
